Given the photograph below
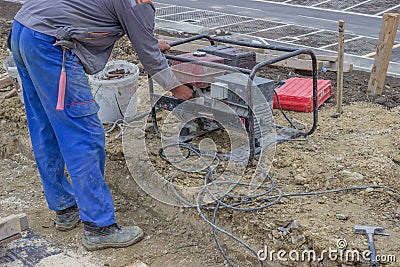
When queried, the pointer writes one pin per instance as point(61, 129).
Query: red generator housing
point(297, 94)
point(194, 74)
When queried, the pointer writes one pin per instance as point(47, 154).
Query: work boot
point(112, 236)
point(67, 219)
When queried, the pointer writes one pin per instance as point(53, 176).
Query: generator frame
point(291, 52)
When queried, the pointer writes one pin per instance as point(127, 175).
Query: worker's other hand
point(164, 46)
point(182, 92)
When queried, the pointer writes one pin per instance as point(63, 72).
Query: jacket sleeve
point(137, 20)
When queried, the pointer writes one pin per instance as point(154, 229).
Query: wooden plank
point(333, 66)
point(330, 63)
point(293, 63)
point(5, 80)
point(10, 239)
point(339, 87)
point(277, 53)
point(255, 49)
point(11, 226)
point(320, 57)
point(387, 35)
point(298, 64)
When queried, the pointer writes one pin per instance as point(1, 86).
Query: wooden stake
point(339, 86)
point(387, 34)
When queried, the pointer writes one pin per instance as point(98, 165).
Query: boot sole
point(96, 246)
point(67, 228)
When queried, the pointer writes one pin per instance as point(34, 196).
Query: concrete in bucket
point(116, 93)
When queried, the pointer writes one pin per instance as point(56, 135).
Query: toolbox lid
point(297, 94)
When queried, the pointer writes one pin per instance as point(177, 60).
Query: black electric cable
point(281, 110)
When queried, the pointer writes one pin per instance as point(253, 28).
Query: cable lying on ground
point(269, 196)
point(124, 124)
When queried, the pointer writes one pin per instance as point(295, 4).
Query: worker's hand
point(182, 92)
point(164, 46)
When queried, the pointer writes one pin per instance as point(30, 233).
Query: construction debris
point(5, 80)
point(11, 227)
point(11, 93)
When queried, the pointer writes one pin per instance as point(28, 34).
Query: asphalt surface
point(280, 23)
point(360, 24)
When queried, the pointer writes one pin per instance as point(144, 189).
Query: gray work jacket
point(95, 25)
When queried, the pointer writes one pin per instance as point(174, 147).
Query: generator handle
point(191, 39)
point(214, 39)
point(314, 77)
point(153, 109)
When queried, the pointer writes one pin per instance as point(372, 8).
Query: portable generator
point(228, 92)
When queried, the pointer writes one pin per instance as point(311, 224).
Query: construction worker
point(73, 136)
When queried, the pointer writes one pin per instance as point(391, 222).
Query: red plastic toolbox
point(297, 94)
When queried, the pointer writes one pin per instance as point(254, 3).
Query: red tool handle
point(61, 90)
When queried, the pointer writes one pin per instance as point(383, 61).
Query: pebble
point(143, 157)
point(297, 239)
point(369, 190)
point(167, 134)
point(138, 133)
point(276, 234)
point(397, 213)
point(300, 179)
point(380, 100)
point(351, 176)
point(340, 159)
point(284, 163)
point(396, 159)
point(283, 201)
point(342, 217)
point(120, 154)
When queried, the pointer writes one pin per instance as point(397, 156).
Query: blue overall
point(73, 137)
